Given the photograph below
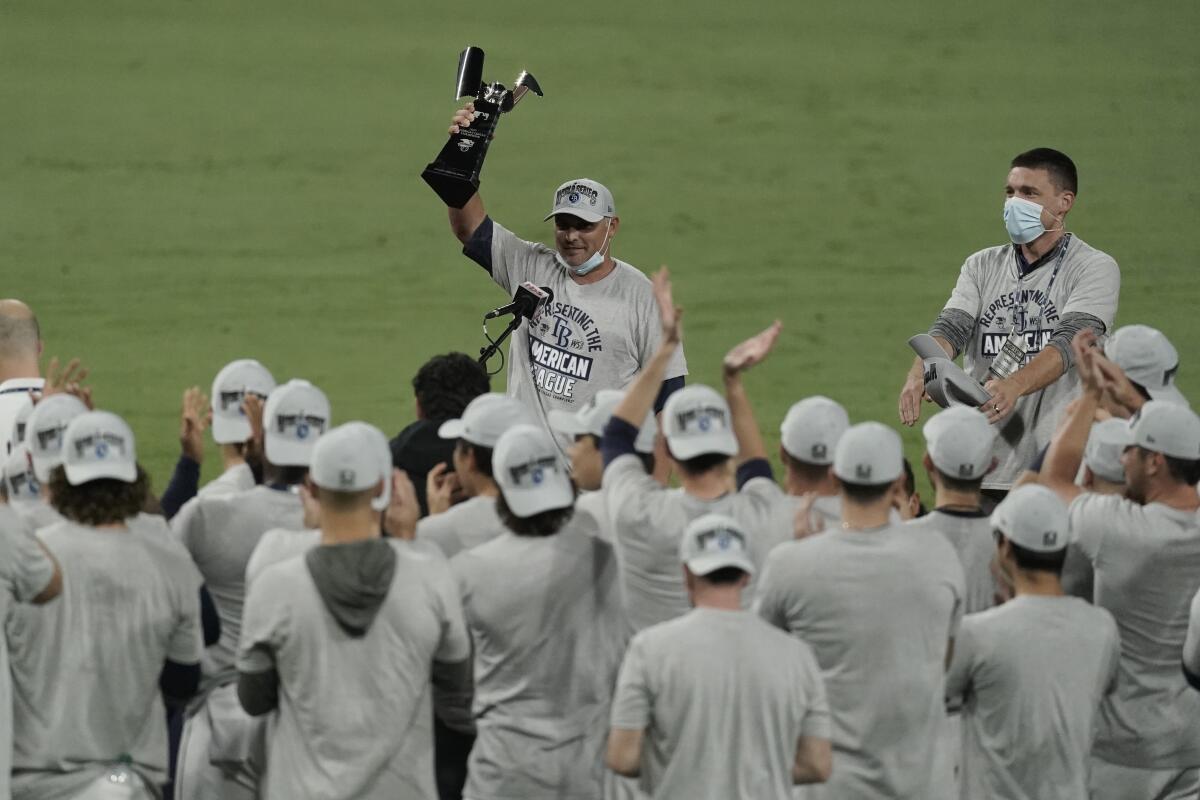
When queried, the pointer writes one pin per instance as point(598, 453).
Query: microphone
point(528, 302)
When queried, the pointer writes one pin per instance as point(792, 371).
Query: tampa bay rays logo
point(701, 419)
point(50, 439)
point(100, 445)
point(301, 424)
point(534, 472)
point(721, 539)
point(562, 332)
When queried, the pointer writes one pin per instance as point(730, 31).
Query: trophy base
point(452, 186)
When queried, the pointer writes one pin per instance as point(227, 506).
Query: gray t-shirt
point(1032, 673)
point(25, 572)
point(877, 607)
point(1191, 644)
point(649, 520)
point(546, 620)
point(970, 534)
point(591, 336)
point(1147, 568)
point(723, 699)
point(238, 478)
point(826, 511)
point(221, 533)
point(85, 666)
point(989, 289)
point(463, 526)
point(355, 716)
point(279, 544)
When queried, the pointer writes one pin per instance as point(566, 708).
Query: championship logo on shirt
point(562, 342)
point(1030, 311)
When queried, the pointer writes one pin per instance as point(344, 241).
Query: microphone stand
point(485, 353)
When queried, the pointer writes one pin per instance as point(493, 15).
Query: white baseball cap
point(584, 198)
point(595, 414)
point(295, 416)
point(98, 444)
point(1147, 358)
point(1106, 442)
point(20, 481)
point(1165, 427)
point(1034, 518)
point(869, 454)
point(485, 420)
point(353, 457)
point(45, 428)
point(715, 542)
point(20, 421)
point(529, 471)
point(811, 429)
point(696, 422)
point(959, 441)
point(236, 380)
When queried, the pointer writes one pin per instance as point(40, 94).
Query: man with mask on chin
point(602, 325)
point(1015, 309)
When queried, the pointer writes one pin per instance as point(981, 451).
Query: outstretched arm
point(741, 358)
point(639, 399)
point(464, 221)
point(1066, 450)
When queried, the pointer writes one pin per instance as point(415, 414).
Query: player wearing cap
point(20, 349)
point(716, 703)
point(341, 640)
point(44, 439)
point(1033, 671)
point(879, 602)
point(1040, 291)
point(230, 427)
point(87, 670)
point(1145, 552)
point(602, 326)
point(221, 533)
point(1139, 364)
point(543, 607)
point(704, 436)
point(474, 521)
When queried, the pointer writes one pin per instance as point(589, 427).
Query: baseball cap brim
point(117, 470)
point(706, 563)
point(289, 454)
point(536, 499)
point(1169, 394)
point(452, 429)
point(586, 216)
point(230, 430)
point(687, 446)
point(565, 422)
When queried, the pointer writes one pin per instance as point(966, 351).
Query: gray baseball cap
point(44, 431)
point(696, 421)
point(1033, 517)
point(353, 457)
point(715, 542)
point(584, 198)
point(812, 428)
point(1106, 441)
point(97, 445)
point(236, 380)
point(485, 419)
point(1165, 427)
point(294, 418)
point(960, 441)
point(869, 454)
point(1147, 358)
point(531, 475)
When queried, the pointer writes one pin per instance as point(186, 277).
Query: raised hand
point(440, 486)
point(671, 314)
point(463, 118)
point(752, 351)
point(806, 523)
point(400, 518)
point(67, 380)
point(194, 418)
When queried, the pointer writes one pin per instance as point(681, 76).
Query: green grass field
point(183, 183)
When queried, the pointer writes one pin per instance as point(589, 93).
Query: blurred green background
point(184, 183)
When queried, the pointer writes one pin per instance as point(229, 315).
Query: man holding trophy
point(602, 322)
point(1015, 310)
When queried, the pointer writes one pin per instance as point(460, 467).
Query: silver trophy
point(1011, 356)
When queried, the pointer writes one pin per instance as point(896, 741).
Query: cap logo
point(966, 470)
point(20, 432)
point(575, 193)
point(533, 473)
point(101, 445)
point(700, 419)
point(346, 478)
point(863, 471)
point(301, 424)
point(1050, 538)
point(234, 399)
point(23, 483)
point(51, 438)
point(721, 540)
point(820, 451)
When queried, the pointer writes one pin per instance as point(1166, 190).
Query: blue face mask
point(1023, 219)
point(595, 260)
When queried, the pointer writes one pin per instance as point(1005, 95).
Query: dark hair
point(483, 456)
point(1183, 470)
point(287, 475)
point(1031, 560)
point(545, 523)
point(864, 493)
point(723, 576)
point(444, 385)
point(974, 485)
point(698, 465)
point(1061, 168)
point(103, 501)
point(809, 472)
point(647, 459)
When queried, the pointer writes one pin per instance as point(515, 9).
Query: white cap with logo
point(236, 380)
point(529, 471)
point(1034, 518)
point(869, 454)
point(97, 445)
point(44, 431)
point(1168, 428)
point(595, 414)
point(20, 421)
point(959, 441)
point(811, 429)
point(696, 421)
point(485, 420)
point(587, 199)
point(353, 457)
point(295, 416)
point(715, 542)
point(1106, 442)
point(19, 480)
point(1147, 358)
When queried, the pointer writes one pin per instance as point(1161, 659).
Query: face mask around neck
point(595, 260)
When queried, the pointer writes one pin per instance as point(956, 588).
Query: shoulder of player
point(1083, 256)
point(998, 256)
point(800, 555)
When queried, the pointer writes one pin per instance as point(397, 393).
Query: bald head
point(20, 338)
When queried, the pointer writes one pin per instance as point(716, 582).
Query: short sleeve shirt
point(591, 336)
point(707, 735)
point(1147, 569)
point(463, 526)
point(991, 291)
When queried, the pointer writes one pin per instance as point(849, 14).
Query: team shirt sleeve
point(25, 565)
point(966, 296)
point(627, 488)
point(633, 703)
point(816, 721)
point(187, 640)
point(769, 601)
point(264, 623)
point(1091, 517)
point(1096, 290)
point(188, 525)
point(1114, 651)
point(455, 645)
point(962, 666)
point(512, 258)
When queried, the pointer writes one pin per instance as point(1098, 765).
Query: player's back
point(877, 607)
point(463, 526)
point(547, 625)
point(970, 534)
point(1034, 672)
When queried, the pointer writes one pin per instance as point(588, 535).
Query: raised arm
point(1066, 450)
point(639, 398)
point(464, 221)
point(741, 358)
